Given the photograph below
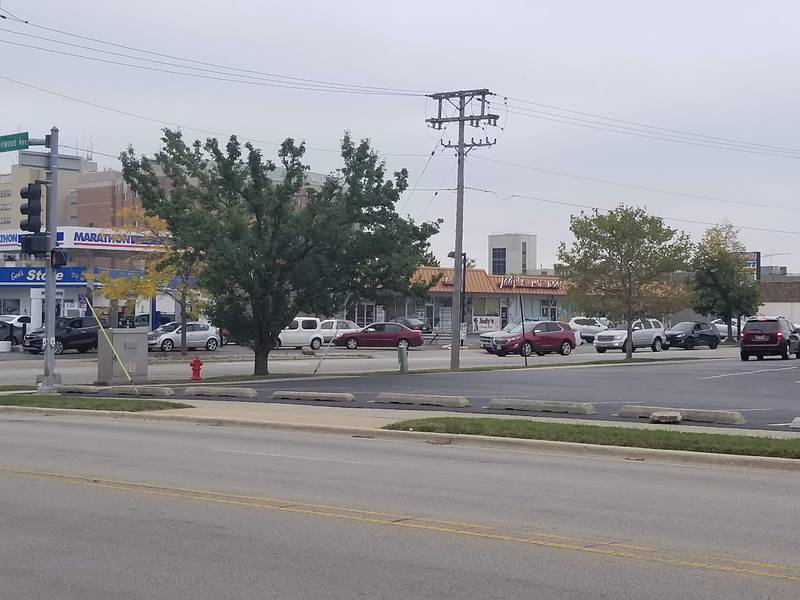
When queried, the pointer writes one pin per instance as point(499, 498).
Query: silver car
point(647, 333)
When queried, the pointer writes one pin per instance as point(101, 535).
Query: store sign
point(36, 276)
point(87, 237)
point(485, 323)
point(9, 239)
point(752, 263)
point(529, 283)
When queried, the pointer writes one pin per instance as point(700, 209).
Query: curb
point(725, 417)
point(223, 392)
point(680, 457)
point(422, 399)
point(554, 406)
point(322, 396)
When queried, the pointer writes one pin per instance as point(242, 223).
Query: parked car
point(587, 327)
point(198, 335)
point(333, 327)
point(722, 328)
point(381, 335)
point(769, 336)
point(689, 334)
point(544, 337)
point(487, 337)
point(72, 333)
point(302, 331)
point(647, 333)
point(16, 322)
point(414, 324)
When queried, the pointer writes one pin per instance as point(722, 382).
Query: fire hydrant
point(196, 364)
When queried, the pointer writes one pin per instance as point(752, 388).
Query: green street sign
point(15, 141)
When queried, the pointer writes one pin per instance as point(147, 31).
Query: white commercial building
point(512, 254)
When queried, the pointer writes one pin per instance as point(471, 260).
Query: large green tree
point(618, 258)
point(270, 247)
point(721, 286)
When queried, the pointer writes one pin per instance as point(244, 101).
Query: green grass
point(131, 405)
point(16, 388)
point(609, 436)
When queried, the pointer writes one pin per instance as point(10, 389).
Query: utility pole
point(465, 99)
point(51, 379)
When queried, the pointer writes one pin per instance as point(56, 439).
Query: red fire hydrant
point(196, 364)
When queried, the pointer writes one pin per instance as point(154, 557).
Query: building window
point(549, 309)
point(498, 261)
point(524, 257)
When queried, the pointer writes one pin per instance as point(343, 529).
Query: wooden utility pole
point(461, 100)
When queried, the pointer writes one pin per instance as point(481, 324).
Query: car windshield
point(683, 326)
point(761, 326)
point(168, 328)
point(620, 327)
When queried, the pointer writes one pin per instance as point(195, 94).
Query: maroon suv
point(541, 337)
point(769, 336)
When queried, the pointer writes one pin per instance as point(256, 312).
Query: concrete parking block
point(224, 392)
point(422, 399)
point(323, 396)
point(669, 417)
point(79, 389)
point(573, 408)
point(142, 390)
point(796, 423)
point(724, 417)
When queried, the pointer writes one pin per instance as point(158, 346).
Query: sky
point(719, 69)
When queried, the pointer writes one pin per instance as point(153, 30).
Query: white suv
point(586, 327)
point(302, 331)
point(647, 333)
point(198, 335)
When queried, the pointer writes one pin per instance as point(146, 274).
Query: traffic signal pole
point(50, 378)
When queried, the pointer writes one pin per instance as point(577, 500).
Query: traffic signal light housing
point(57, 259)
point(32, 208)
point(34, 244)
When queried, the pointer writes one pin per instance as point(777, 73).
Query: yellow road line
point(607, 548)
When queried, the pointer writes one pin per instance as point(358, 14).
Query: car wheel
point(59, 347)
point(526, 349)
point(224, 339)
point(714, 345)
point(83, 350)
point(488, 351)
point(600, 350)
point(316, 344)
point(167, 345)
point(352, 344)
point(589, 339)
point(402, 343)
point(501, 353)
point(540, 354)
point(744, 356)
point(785, 353)
point(565, 349)
point(657, 345)
point(665, 346)
point(212, 344)
point(277, 344)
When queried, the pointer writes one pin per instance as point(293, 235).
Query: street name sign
point(41, 160)
point(14, 141)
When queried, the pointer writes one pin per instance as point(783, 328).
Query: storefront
point(490, 301)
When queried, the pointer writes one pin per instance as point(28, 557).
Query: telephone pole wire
point(466, 99)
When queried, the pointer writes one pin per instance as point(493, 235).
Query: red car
point(388, 335)
point(541, 338)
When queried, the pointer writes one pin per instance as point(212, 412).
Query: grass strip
point(121, 404)
point(608, 436)
point(16, 388)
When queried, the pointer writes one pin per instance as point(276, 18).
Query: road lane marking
point(747, 373)
point(291, 456)
point(607, 548)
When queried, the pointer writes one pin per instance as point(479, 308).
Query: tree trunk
point(730, 328)
point(182, 304)
point(261, 366)
point(113, 314)
point(629, 341)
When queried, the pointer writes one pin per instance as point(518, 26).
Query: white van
point(302, 331)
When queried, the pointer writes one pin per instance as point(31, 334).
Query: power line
point(424, 168)
point(592, 207)
point(210, 64)
point(441, 188)
point(654, 127)
point(636, 187)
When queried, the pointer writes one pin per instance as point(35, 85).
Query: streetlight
point(452, 254)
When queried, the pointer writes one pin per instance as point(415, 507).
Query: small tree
point(721, 286)
point(617, 257)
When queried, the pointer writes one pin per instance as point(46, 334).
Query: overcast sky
point(718, 68)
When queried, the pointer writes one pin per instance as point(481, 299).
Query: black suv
point(689, 334)
point(769, 336)
point(72, 333)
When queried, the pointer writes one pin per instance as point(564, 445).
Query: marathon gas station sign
point(87, 238)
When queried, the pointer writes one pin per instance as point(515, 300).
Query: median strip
point(322, 396)
point(221, 392)
point(654, 438)
point(723, 417)
point(422, 399)
point(573, 408)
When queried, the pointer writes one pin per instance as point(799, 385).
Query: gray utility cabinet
point(131, 346)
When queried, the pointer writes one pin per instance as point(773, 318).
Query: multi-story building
point(512, 253)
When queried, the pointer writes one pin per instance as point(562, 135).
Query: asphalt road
point(96, 509)
point(767, 392)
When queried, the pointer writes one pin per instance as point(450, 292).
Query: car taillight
point(779, 334)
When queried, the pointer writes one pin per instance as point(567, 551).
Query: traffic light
point(57, 259)
point(32, 208)
point(34, 244)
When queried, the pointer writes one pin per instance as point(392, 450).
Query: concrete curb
point(475, 441)
point(795, 423)
point(725, 417)
point(224, 392)
point(140, 390)
point(422, 399)
point(324, 396)
point(574, 408)
point(79, 389)
point(666, 417)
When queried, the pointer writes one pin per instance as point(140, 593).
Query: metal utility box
point(131, 346)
